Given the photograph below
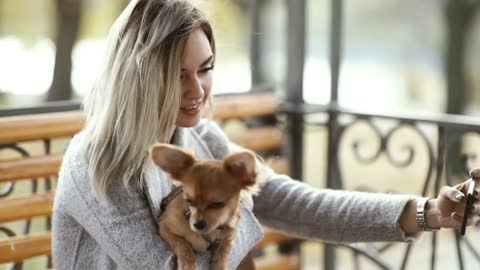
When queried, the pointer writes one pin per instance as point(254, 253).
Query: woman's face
point(196, 78)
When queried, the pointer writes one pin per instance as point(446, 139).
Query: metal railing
point(448, 131)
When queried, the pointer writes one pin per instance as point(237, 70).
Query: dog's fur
point(211, 189)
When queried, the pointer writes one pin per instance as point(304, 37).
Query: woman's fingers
point(474, 216)
point(453, 193)
point(457, 220)
point(462, 187)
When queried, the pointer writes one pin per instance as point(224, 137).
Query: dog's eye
point(190, 202)
point(216, 205)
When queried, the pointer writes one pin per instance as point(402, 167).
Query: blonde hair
point(136, 99)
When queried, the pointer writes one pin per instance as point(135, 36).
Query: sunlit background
point(394, 51)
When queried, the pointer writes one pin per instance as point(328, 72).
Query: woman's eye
point(207, 69)
point(216, 205)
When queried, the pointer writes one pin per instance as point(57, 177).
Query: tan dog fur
point(212, 191)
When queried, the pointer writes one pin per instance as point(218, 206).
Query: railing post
point(295, 64)
point(256, 63)
point(333, 177)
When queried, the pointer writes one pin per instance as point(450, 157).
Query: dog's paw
point(218, 263)
point(219, 266)
point(187, 263)
point(201, 245)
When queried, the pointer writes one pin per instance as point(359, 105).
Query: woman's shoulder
point(74, 165)
point(72, 175)
point(213, 137)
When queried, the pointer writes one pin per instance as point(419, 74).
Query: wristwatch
point(421, 223)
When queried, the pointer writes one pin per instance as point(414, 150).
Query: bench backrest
point(44, 165)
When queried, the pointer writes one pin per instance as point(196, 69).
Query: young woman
point(155, 84)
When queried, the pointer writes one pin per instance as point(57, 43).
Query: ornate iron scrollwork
point(437, 172)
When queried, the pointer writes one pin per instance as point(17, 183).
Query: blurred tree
point(68, 22)
point(27, 20)
point(98, 16)
point(125, 3)
point(245, 4)
point(460, 16)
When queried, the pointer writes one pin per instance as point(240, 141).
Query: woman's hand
point(445, 211)
point(450, 206)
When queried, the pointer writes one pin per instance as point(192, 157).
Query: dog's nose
point(200, 225)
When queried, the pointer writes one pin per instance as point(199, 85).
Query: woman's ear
point(241, 166)
point(172, 159)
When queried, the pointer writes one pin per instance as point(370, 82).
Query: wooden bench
point(17, 130)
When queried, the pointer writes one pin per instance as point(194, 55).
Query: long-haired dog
point(203, 212)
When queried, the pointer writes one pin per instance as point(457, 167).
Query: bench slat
point(25, 247)
point(259, 139)
point(30, 167)
point(283, 262)
point(279, 165)
point(273, 238)
point(244, 106)
point(26, 207)
point(39, 126)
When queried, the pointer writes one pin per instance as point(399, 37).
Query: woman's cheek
point(207, 86)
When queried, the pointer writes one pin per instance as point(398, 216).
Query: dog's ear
point(241, 166)
point(172, 159)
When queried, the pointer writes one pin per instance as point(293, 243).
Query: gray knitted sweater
point(123, 235)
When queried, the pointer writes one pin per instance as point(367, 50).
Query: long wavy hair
point(135, 100)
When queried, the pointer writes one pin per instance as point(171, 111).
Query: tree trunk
point(459, 17)
point(68, 14)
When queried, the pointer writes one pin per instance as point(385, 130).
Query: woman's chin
point(188, 121)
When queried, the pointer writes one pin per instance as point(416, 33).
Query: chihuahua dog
point(203, 212)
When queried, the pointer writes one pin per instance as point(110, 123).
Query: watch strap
point(420, 216)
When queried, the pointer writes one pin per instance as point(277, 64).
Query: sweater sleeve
point(330, 215)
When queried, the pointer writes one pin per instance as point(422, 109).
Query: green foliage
point(98, 16)
point(231, 26)
point(30, 20)
point(3, 97)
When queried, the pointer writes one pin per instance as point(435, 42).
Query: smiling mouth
point(192, 109)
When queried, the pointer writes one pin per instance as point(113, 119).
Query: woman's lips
point(192, 109)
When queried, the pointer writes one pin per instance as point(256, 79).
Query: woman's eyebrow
point(204, 62)
point(207, 60)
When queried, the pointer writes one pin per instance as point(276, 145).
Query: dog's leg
point(197, 241)
point(247, 263)
point(186, 259)
point(221, 252)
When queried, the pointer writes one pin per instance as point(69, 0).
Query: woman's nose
point(195, 88)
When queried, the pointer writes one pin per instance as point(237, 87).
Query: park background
point(396, 59)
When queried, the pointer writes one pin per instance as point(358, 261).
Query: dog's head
point(211, 188)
